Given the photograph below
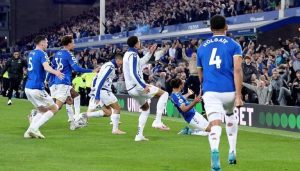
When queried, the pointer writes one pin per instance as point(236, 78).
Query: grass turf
point(95, 148)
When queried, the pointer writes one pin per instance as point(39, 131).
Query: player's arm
point(199, 66)
point(49, 69)
point(188, 94)
point(133, 67)
point(148, 56)
point(185, 108)
point(102, 78)
point(238, 75)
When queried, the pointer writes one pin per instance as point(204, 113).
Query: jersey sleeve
point(199, 55)
point(44, 57)
point(71, 59)
point(237, 50)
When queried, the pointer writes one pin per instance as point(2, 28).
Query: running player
point(65, 61)
point(138, 89)
point(219, 59)
point(185, 108)
point(38, 64)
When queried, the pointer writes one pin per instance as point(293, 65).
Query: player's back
point(131, 69)
point(215, 56)
point(63, 61)
point(106, 75)
point(36, 73)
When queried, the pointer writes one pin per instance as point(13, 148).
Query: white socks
point(36, 118)
point(77, 105)
point(161, 105)
point(232, 130)
point(142, 122)
point(43, 119)
point(115, 117)
point(214, 137)
point(97, 114)
point(70, 112)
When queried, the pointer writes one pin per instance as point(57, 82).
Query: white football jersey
point(105, 78)
point(132, 69)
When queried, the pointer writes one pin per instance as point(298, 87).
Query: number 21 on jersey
point(215, 60)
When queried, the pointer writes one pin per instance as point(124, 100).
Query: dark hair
point(131, 41)
point(38, 39)
point(118, 56)
point(175, 83)
point(66, 40)
point(217, 22)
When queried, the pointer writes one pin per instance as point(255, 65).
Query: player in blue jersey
point(66, 62)
point(219, 61)
point(186, 108)
point(38, 64)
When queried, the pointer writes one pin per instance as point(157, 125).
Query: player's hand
point(153, 48)
point(197, 99)
point(60, 75)
point(97, 101)
point(46, 84)
point(146, 89)
point(238, 102)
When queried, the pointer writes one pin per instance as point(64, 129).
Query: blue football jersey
point(215, 56)
point(63, 61)
point(178, 100)
point(36, 73)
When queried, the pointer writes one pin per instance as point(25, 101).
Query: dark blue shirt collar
point(132, 50)
point(115, 63)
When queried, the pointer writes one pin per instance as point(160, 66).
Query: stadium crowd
point(271, 75)
point(128, 15)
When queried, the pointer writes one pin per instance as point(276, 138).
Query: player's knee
point(145, 107)
point(107, 112)
point(69, 100)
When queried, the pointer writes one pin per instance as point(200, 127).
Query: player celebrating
point(219, 59)
point(101, 91)
point(35, 90)
point(65, 61)
point(137, 88)
point(186, 108)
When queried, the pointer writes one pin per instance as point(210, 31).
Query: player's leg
point(46, 109)
point(76, 98)
point(214, 109)
point(199, 122)
point(70, 112)
point(231, 126)
point(161, 106)
point(115, 118)
point(142, 122)
point(12, 87)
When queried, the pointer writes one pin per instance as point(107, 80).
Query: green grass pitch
point(95, 148)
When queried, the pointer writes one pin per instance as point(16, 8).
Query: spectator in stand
point(249, 72)
point(295, 87)
point(193, 81)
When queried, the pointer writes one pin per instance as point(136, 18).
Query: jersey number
point(30, 67)
point(215, 60)
point(59, 64)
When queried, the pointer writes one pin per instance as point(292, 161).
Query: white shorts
point(61, 92)
point(93, 105)
point(199, 122)
point(141, 97)
point(39, 98)
point(52, 90)
point(107, 97)
point(218, 104)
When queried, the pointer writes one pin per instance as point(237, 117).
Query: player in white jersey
point(138, 89)
point(102, 95)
